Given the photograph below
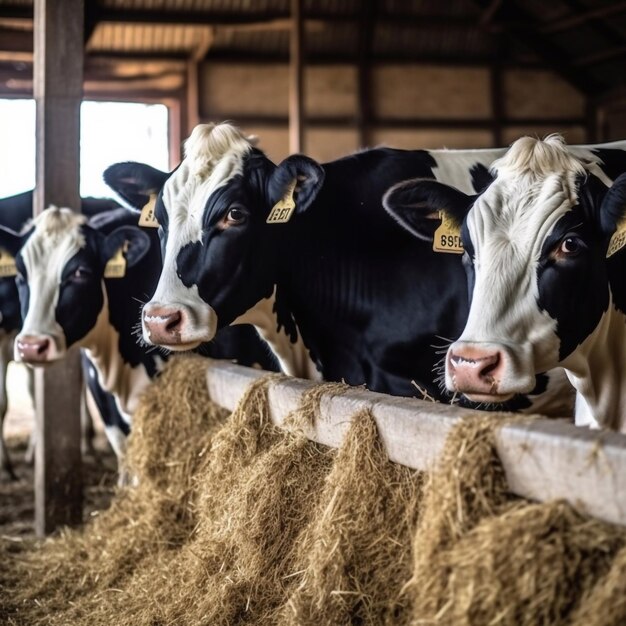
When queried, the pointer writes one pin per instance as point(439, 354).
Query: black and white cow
point(544, 293)
point(67, 299)
point(306, 253)
point(15, 211)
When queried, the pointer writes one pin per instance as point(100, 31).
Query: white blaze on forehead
point(508, 224)
point(214, 155)
point(56, 238)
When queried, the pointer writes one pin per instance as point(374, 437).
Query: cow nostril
point(490, 367)
point(43, 346)
point(174, 321)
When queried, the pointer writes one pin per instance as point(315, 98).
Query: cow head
point(219, 252)
point(535, 253)
point(60, 263)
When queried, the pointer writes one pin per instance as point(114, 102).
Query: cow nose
point(32, 349)
point(163, 324)
point(476, 370)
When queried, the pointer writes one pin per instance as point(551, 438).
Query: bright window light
point(119, 131)
point(17, 146)
point(110, 132)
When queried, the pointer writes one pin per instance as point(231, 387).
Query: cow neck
point(116, 376)
point(597, 369)
point(288, 348)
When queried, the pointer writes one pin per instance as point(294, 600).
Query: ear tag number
point(283, 210)
point(618, 240)
point(116, 265)
point(7, 265)
point(448, 236)
point(147, 217)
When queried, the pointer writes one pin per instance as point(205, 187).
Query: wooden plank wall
point(411, 105)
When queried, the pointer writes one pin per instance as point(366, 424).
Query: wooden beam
point(296, 79)
point(518, 23)
point(543, 459)
point(364, 69)
point(269, 17)
point(580, 17)
point(192, 97)
point(496, 89)
point(58, 79)
point(603, 56)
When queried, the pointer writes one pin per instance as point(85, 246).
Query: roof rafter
point(516, 21)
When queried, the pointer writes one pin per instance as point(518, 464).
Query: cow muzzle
point(36, 349)
point(173, 327)
point(487, 372)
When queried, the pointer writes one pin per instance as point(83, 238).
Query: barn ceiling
point(582, 40)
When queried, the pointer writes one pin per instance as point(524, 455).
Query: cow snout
point(163, 325)
point(33, 349)
point(478, 371)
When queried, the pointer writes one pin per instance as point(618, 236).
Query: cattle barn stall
point(325, 77)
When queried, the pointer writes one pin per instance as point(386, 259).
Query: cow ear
point(613, 208)
point(135, 241)
point(308, 175)
point(11, 241)
point(416, 205)
point(134, 182)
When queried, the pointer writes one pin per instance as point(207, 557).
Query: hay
point(356, 551)
point(483, 556)
point(236, 521)
point(155, 516)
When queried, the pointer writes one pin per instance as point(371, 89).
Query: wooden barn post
point(57, 85)
point(296, 79)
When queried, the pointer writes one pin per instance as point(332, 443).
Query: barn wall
point(411, 105)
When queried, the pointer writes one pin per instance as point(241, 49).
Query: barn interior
point(325, 78)
point(343, 75)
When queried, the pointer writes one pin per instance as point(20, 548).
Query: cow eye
point(80, 274)
point(236, 216)
point(570, 246)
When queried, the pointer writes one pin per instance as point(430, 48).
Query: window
point(110, 132)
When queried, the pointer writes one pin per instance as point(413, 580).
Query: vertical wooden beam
point(192, 97)
point(176, 126)
point(498, 112)
point(58, 81)
point(296, 79)
point(364, 69)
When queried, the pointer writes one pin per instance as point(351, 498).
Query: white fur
point(294, 358)
point(508, 225)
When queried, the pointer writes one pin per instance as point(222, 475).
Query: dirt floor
point(16, 497)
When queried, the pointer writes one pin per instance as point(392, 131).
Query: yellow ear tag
point(7, 265)
point(448, 236)
point(147, 217)
point(116, 265)
point(618, 240)
point(283, 210)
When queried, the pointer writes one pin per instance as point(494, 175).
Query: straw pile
point(237, 522)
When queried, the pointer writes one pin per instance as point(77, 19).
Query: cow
point(82, 282)
point(545, 271)
point(306, 253)
point(15, 211)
